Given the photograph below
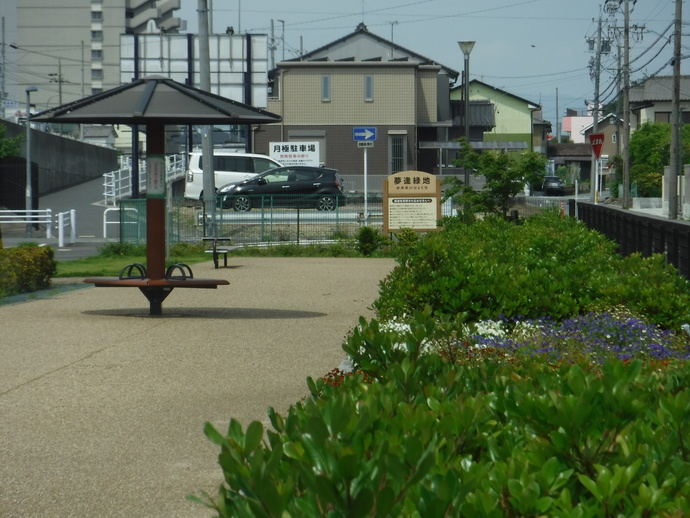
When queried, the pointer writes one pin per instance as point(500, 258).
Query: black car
point(553, 186)
point(292, 186)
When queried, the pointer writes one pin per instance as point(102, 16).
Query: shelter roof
point(156, 99)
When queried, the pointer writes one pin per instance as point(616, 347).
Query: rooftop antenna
point(393, 24)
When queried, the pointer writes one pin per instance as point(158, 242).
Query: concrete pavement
point(102, 406)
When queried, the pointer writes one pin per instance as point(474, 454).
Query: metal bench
point(217, 249)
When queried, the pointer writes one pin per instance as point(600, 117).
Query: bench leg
point(215, 260)
point(156, 295)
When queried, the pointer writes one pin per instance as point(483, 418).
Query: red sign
point(597, 140)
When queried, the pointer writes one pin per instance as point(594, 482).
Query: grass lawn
point(104, 266)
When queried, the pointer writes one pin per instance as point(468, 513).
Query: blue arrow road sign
point(364, 134)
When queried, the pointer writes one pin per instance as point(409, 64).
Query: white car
point(230, 166)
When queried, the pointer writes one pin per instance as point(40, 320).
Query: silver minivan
point(230, 166)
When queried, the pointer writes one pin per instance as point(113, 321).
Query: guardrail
point(29, 217)
point(118, 184)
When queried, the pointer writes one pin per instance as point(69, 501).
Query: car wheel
point(242, 204)
point(326, 203)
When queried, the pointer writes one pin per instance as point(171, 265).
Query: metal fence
point(643, 233)
point(267, 222)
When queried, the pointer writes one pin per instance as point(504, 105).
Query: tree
point(506, 175)
point(650, 152)
point(9, 146)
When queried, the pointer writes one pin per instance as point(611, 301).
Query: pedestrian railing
point(124, 216)
point(67, 221)
point(118, 184)
point(29, 217)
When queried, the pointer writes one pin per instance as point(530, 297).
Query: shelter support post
point(155, 209)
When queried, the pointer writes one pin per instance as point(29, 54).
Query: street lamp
point(466, 47)
point(28, 203)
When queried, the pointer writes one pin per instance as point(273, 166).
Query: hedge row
point(25, 269)
point(550, 265)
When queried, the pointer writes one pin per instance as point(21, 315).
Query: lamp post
point(466, 47)
point(28, 203)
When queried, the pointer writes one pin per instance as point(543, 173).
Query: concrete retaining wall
point(63, 162)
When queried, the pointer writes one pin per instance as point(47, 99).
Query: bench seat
point(221, 250)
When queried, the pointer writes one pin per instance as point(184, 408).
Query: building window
point(614, 138)
point(326, 88)
point(369, 88)
point(96, 73)
point(662, 116)
point(398, 153)
point(96, 54)
point(96, 16)
point(97, 35)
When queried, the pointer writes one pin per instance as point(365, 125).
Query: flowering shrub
point(594, 336)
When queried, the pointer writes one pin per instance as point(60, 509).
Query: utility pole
point(207, 131)
point(558, 121)
point(626, 108)
point(2, 73)
point(596, 72)
point(272, 46)
point(675, 166)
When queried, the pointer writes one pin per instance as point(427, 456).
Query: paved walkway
point(102, 406)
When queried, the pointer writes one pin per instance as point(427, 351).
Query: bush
point(187, 249)
point(494, 438)
point(550, 265)
point(24, 269)
point(369, 240)
point(583, 414)
point(122, 250)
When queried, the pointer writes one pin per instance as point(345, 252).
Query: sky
point(535, 49)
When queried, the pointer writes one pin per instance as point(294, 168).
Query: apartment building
point(71, 49)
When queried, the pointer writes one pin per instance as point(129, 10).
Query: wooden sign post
point(411, 199)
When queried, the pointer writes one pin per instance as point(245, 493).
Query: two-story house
point(363, 81)
point(515, 118)
point(650, 101)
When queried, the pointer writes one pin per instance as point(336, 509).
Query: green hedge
point(550, 265)
point(486, 439)
point(437, 423)
point(25, 269)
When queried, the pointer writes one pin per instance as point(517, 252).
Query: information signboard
point(155, 176)
point(411, 199)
